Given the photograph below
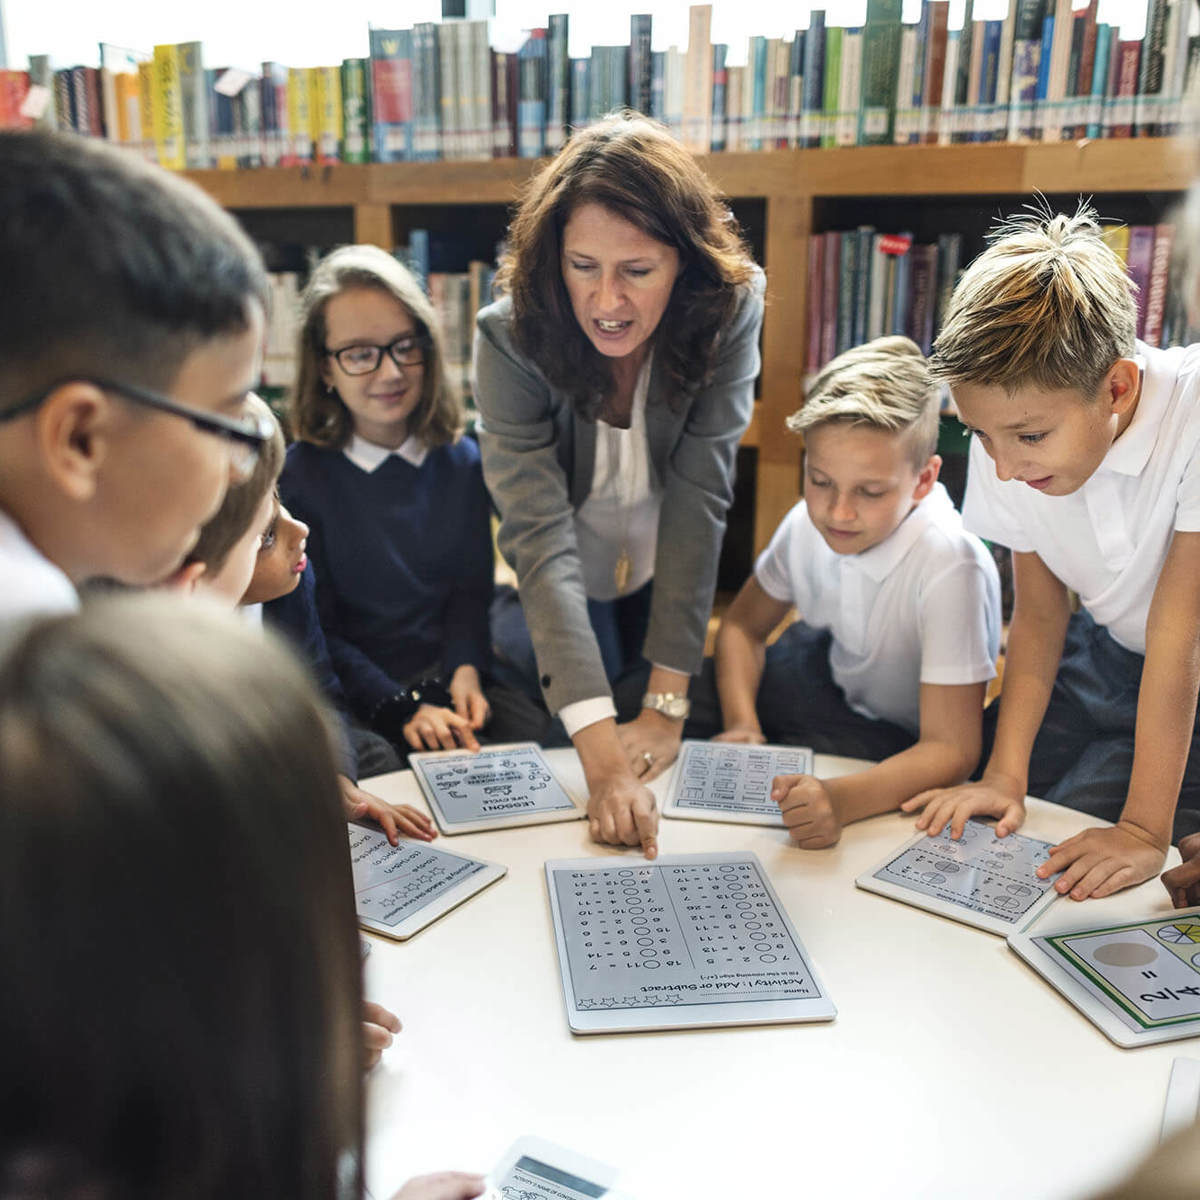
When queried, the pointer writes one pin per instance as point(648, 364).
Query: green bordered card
point(1139, 982)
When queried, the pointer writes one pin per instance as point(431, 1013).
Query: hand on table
point(746, 735)
point(622, 812)
point(467, 693)
point(1098, 862)
point(379, 1026)
point(1183, 881)
point(954, 805)
point(445, 1185)
point(808, 810)
point(651, 743)
point(396, 819)
point(435, 728)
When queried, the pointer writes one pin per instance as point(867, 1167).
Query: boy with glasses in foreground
point(131, 323)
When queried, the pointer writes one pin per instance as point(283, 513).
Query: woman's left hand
point(651, 743)
point(467, 693)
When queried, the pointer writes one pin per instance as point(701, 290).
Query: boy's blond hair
point(231, 522)
point(884, 384)
point(1047, 305)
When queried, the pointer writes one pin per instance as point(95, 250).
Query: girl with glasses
point(393, 495)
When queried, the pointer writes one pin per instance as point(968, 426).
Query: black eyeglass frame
point(252, 431)
point(420, 340)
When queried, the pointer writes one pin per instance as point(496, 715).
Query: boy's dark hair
point(176, 900)
point(110, 266)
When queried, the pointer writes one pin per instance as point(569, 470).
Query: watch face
point(677, 707)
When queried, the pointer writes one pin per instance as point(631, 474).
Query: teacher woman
point(614, 381)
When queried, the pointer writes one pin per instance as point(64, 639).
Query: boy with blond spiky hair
point(899, 607)
point(1094, 484)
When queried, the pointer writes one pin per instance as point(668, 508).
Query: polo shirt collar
point(369, 457)
point(881, 560)
point(1130, 453)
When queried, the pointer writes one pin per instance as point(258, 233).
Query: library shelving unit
point(799, 192)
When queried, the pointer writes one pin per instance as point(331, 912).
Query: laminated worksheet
point(685, 940)
point(493, 788)
point(731, 781)
point(980, 879)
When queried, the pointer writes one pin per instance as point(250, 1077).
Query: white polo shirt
point(922, 606)
point(1108, 540)
point(30, 584)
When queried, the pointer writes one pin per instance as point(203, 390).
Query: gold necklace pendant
point(623, 570)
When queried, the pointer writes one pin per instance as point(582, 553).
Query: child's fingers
point(782, 784)
point(1011, 821)
point(958, 821)
point(383, 814)
point(920, 800)
point(645, 819)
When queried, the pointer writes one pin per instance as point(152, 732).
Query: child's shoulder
point(460, 454)
point(943, 540)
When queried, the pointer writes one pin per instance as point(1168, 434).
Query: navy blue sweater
point(296, 616)
point(403, 559)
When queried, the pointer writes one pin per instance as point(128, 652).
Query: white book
point(851, 88)
point(949, 112)
point(905, 114)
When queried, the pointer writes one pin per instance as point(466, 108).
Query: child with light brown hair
point(899, 607)
point(1086, 464)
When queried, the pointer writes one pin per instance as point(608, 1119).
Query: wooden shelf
point(790, 182)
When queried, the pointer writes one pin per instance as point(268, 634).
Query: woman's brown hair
point(317, 412)
point(635, 169)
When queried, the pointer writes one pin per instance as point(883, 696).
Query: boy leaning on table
point(1094, 483)
point(899, 607)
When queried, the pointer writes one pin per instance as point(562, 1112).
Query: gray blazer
point(538, 461)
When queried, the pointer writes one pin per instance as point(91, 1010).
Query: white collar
point(883, 558)
point(369, 457)
point(1130, 453)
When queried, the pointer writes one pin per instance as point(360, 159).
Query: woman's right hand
point(434, 728)
point(622, 812)
point(445, 1185)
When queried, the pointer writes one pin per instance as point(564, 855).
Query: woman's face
point(619, 279)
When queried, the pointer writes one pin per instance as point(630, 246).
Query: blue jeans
point(620, 630)
point(1083, 754)
point(799, 704)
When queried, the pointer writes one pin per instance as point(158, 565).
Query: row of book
point(1047, 71)
point(864, 284)
point(456, 297)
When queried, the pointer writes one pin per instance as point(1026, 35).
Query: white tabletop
point(952, 1067)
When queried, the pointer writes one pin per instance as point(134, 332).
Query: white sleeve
point(1187, 495)
point(774, 568)
point(987, 507)
point(959, 620)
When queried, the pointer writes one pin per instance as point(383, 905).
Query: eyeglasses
point(406, 351)
point(245, 436)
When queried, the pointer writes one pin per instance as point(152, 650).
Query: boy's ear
point(927, 477)
point(1123, 385)
point(184, 580)
point(72, 427)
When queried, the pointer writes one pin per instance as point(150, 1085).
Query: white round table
point(952, 1068)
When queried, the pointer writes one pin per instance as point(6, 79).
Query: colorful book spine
point(391, 94)
point(934, 74)
point(168, 109)
point(816, 280)
point(812, 113)
point(356, 109)
point(427, 126)
point(831, 102)
point(504, 105)
point(194, 95)
point(1138, 263)
point(963, 114)
point(1003, 94)
point(641, 63)
point(948, 117)
point(1027, 58)
point(1100, 70)
point(299, 108)
point(1120, 111)
point(720, 81)
point(147, 85)
point(1156, 289)
point(531, 106)
point(795, 99)
point(850, 92)
point(581, 95)
point(329, 128)
point(1147, 108)
point(987, 79)
point(831, 270)
point(880, 66)
point(558, 105)
point(698, 80)
point(449, 98)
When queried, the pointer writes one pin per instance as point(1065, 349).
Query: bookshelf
point(798, 189)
